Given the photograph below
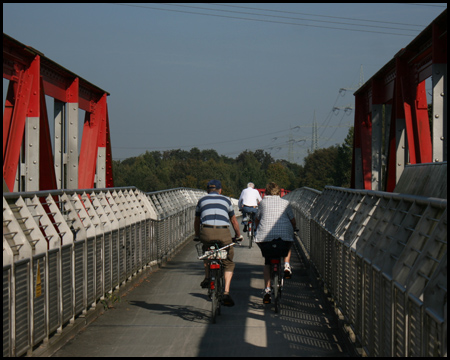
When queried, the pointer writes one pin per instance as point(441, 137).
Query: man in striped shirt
point(213, 215)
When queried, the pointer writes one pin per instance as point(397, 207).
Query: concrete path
point(168, 314)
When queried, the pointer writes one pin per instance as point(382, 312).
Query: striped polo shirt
point(214, 209)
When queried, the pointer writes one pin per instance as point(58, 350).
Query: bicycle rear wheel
point(220, 290)
point(214, 296)
point(276, 290)
point(214, 305)
point(250, 234)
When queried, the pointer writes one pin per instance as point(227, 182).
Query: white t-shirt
point(249, 197)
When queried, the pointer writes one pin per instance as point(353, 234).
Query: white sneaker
point(287, 271)
point(266, 298)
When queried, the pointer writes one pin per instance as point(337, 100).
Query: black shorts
point(274, 249)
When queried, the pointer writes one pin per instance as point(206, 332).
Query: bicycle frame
point(251, 229)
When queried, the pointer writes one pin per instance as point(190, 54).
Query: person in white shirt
point(249, 200)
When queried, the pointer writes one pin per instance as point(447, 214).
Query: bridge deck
point(168, 314)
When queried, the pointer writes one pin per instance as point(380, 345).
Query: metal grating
point(377, 253)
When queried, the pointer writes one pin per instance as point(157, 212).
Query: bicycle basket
point(221, 254)
point(275, 248)
point(213, 254)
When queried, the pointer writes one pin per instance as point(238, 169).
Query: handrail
point(65, 250)
point(382, 257)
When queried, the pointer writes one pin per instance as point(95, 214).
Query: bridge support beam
point(30, 163)
point(393, 127)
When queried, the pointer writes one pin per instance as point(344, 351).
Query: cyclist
point(213, 215)
point(248, 201)
point(274, 220)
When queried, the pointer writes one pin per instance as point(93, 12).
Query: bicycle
point(216, 287)
point(275, 250)
point(251, 228)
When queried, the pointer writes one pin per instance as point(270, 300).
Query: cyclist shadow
point(188, 313)
point(200, 296)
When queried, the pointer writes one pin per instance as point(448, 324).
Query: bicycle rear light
point(212, 286)
point(214, 266)
point(274, 261)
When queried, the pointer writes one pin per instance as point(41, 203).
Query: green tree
point(343, 165)
point(319, 168)
point(250, 170)
point(190, 182)
point(277, 173)
point(156, 170)
point(264, 158)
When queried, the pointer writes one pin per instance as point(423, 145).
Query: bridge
point(104, 271)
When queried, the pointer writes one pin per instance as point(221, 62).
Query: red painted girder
point(423, 132)
point(391, 179)
point(57, 79)
point(94, 134)
point(47, 176)
point(109, 172)
point(8, 114)
point(363, 138)
point(13, 140)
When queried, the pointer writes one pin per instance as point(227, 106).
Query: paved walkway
point(168, 314)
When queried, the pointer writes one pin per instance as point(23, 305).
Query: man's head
point(214, 185)
point(251, 185)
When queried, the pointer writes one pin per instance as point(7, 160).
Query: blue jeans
point(246, 210)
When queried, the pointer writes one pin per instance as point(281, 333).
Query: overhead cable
point(290, 18)
point(325, 16)
point(265, 21)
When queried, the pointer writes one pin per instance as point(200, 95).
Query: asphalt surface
point(168, 314)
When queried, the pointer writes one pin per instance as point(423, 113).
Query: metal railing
point(383, 257)
point(65, 250)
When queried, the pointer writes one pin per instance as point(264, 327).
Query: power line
point(195, 145)
point(299, 127)
point(260, 20)
point(326, 16)
point(290, 18)
point(326, 142)
point(431, 5)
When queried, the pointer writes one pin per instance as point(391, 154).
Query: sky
point(229, 77)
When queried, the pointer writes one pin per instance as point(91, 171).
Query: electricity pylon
point(314, 142)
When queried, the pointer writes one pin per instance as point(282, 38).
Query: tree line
point(155, 170)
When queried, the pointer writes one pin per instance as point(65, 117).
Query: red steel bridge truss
point(392, 127)
point(29, 163)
